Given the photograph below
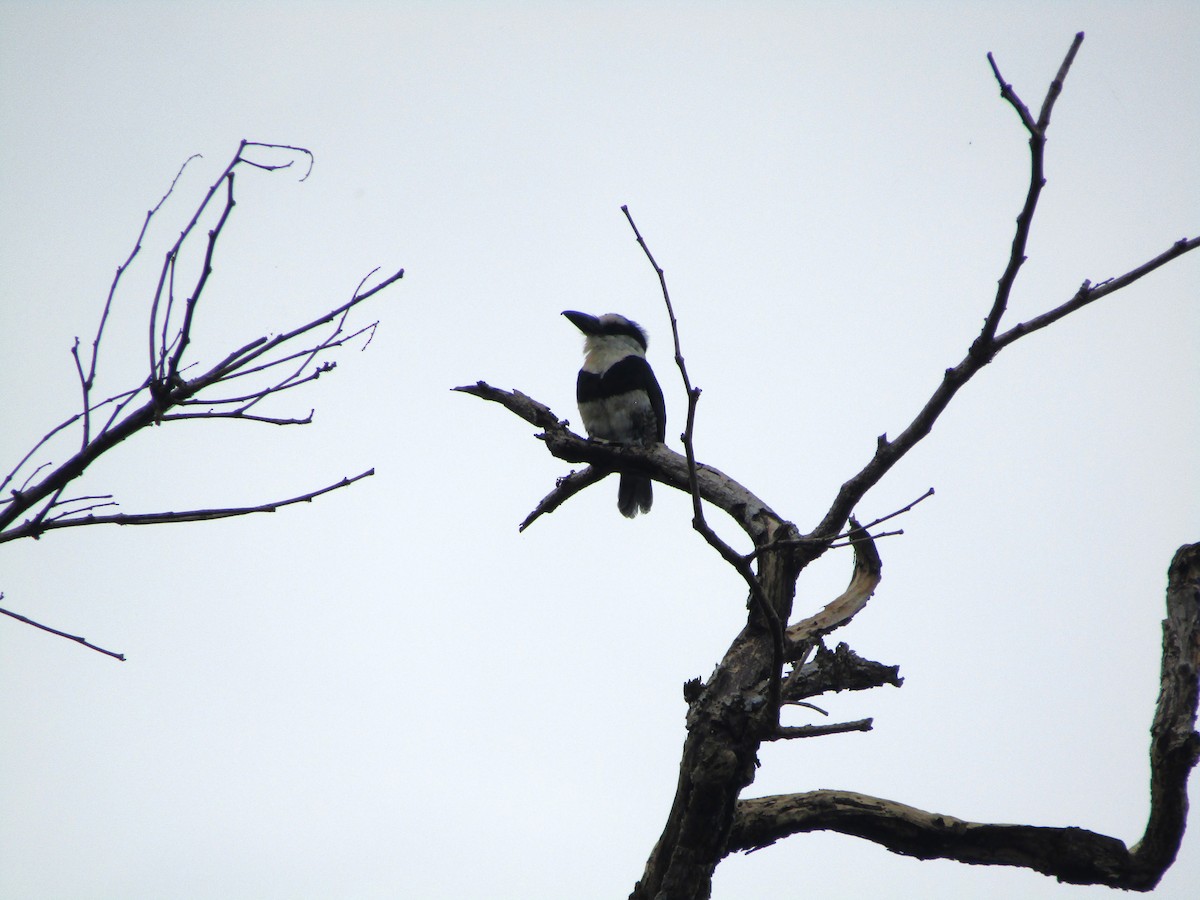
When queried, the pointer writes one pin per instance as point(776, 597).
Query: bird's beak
point(585, 323)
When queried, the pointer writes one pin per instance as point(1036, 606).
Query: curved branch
point(658, 461)
point(868, 570)
point(1070, 854)
point(1174, 743)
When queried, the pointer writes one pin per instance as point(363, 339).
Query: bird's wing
point(632, 373)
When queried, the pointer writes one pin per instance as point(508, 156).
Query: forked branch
point(988, 342)
point(268, 366)
point(1073, 855)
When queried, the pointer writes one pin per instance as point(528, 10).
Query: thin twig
point(1089, 293)
point(121, 269)
point(103, 501)
point(85, 387)
point(120, 401)
point(260, 347)
point(70, 637)
point(232, 372)
point(33, 475)
point(239, 414)
point(158, 365)
point(842, 539)
point(984, 344)
point(275, 168)
point(739, 563)
point(167, 382)
point(901, 511)
point(36, 528)
point(256, 395)
point(807, 705)
point(849, 542)
point(189, 310)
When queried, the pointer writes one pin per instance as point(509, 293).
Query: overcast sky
point(392, 693)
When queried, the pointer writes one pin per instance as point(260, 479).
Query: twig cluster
point(176, 388)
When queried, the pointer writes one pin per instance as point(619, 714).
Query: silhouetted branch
point(238, 414)
point(564, 489)
point(167, 387)
point(172, 384)
point(1073, 855)
point(739, 563)
point(70, 637)
point(987, 344)
point(36, 529)
point(1037, 181)
point(1089, 292)
point(668, 467)
point(102, 500)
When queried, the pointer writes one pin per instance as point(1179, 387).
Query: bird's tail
point(636, 494)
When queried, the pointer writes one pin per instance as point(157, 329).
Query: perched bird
point(619, 397)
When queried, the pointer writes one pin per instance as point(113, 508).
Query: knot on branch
point(717, 764)
point(982, 351)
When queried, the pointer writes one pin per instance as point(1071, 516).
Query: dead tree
point(775, 661)
point(40, 496)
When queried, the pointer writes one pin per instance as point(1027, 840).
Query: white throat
point(601, 351)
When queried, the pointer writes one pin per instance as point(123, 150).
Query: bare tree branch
point(564, 489)
point(238, 414)
point(868, 570)
point(1088, 292)
point(833, 671)
point(38, 505)
point(1037, 181)
point(986, 345)
point(1073, 855)
point(789, 732)
point(167, 387)
point(739, 563)
point(37, 528)
point(757, 519)
point(70, 637)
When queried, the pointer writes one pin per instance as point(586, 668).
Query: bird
point(619, 397)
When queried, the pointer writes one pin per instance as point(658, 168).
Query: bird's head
point(609, 332)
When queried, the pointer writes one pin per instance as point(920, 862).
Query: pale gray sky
point(391, 693)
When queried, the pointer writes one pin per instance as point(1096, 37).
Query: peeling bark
point(1073, 855)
